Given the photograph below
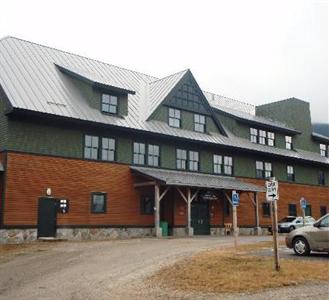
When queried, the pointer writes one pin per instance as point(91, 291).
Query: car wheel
point(291, 228)
point(301, 246)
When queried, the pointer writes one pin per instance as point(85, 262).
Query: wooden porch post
point(258, 228)
point(189, 200)
point(158, 230)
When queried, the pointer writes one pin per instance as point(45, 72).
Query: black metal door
point(200, 217)
point(47, 213)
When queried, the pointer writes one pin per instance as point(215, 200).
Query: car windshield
point(287, 219)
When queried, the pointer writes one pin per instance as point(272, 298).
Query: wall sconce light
point(48, 191)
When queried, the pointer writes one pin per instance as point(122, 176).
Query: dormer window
point(323, 150)
point(199, 123)
point(253, 135)
point(109, 104)
point(270, 138)
point(174, 117)
point(288, 140)
point(262, 137)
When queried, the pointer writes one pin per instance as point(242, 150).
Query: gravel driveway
point(107, 269)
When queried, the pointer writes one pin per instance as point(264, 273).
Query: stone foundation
point(217, 231)
point(179, 231)
point(103, 233)
point(242, 231)
point(17, 236)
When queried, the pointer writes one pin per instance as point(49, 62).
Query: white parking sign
point(272, 190)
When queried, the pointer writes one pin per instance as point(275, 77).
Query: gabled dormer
point(179, 101)
point(109, 97)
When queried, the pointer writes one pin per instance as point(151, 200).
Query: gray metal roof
point(242, 114)
point(32, 81)
point(159, 90)
point(96, 78)
point(320, 137)
point(181, 178)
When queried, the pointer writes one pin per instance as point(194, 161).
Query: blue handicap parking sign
point(303, 203)
point(235, 198)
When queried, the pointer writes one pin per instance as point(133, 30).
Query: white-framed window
point(91, 147)
point(270, 138)
point(262, 137)
point(199, 123)
point(98, 202)
point(174, 117)
point(193, 160)
point(181, 159)
point(218, 163)
point(290, 173)
point(259, 169)
point(228, 165)
point(253, 135)
point(263, 169)
point(139, 153)
point(268, 170)
point(323, 150)
point(109, 104)
point(153, 155)
point(288, 140)
point(108, 149)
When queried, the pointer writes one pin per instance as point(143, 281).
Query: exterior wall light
point(48, 191)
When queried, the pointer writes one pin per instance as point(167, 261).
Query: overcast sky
point(253, 51)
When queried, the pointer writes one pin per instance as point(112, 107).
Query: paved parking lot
point(107, 269)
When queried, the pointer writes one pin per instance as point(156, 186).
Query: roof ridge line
point(156, 80)
point(79, 55)
point(240, 101)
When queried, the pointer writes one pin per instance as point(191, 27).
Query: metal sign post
point(272, 195)
point(303, 204)
point(235, 203)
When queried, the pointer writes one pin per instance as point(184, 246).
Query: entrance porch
point(193, 203)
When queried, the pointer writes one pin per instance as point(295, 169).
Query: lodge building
point(91, 150)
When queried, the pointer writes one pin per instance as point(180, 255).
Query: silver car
point(290, 223)
point(310, 238)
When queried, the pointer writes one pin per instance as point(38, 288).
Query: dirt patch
point(7, 251)
point(221, 271)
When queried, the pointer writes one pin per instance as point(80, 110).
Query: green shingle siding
point(94, 97)
point(244, 166)
point(187, 119)
point(160, 114)
point(3, 124)
point(168, 156)
point(206, 162)
point(42, 138)
point(296, 114)
point(124, 150)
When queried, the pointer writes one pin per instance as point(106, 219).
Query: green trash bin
point(164, 227)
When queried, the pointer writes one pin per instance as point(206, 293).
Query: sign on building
point(272, 190)
point(303, 203)
point(235, 198)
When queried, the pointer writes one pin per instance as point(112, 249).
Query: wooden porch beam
point(252, 200)
point(182, 194)
point(228, 198)
point(194, 195)
point(146, 183)
point(164, 193)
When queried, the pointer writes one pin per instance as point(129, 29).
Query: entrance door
point(200, 217)
point(47, 213)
